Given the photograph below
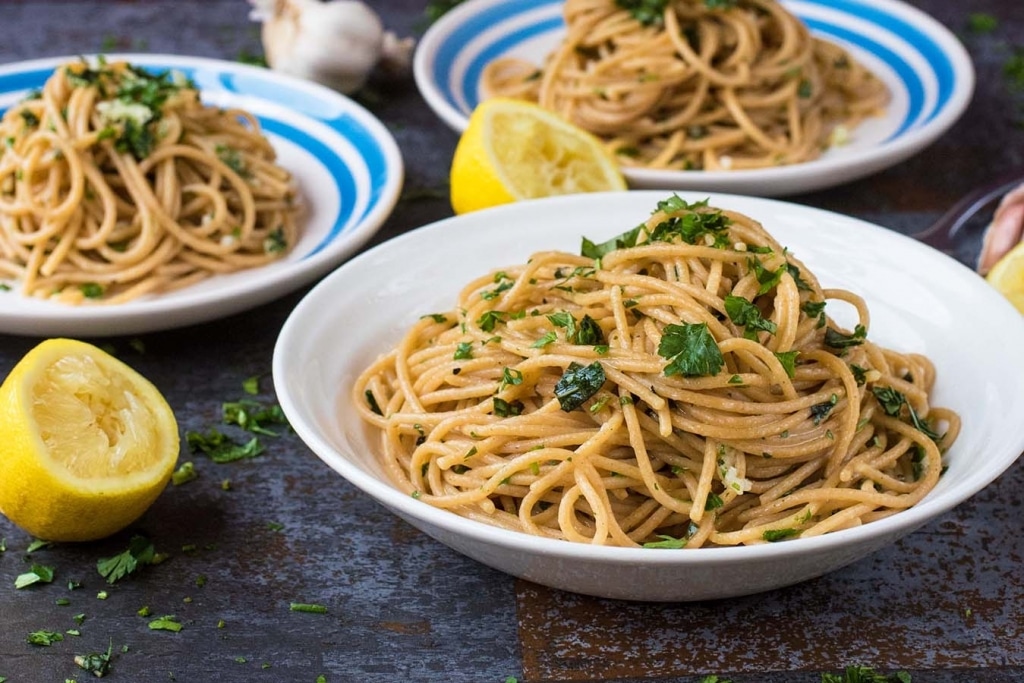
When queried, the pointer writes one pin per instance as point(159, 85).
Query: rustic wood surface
point(945, 604)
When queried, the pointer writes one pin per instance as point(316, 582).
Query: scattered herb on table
point(44, 638)
point(221, 448)
point(37, 544)
point(307, 607)
point(253, 416)
point(140, 552)
point(184, 474)
point(982, 22)
point(38, 573)
point(167, 622)
point(864, 674)
point(96, 663)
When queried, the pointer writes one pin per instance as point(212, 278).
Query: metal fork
point(945, 233)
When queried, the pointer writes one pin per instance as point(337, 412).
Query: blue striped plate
point(348, 169)
point(928, 72)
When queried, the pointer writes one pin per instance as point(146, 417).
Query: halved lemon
point(514, 150)
point(88, 443)
point(1007, 275)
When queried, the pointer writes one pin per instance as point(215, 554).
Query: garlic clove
point(336, 43)
point(1005, 230)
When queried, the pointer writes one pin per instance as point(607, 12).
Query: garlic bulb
point(1005, 230)
point(336, 43)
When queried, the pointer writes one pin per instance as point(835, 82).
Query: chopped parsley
point(815, 309)
point(860, 375)
point(510, 377)
point(37, 544)
point(624, 241)
point(578, 384)
point(548, 338)
point(773, 535)
point(713, 502)
point(371, 400)
point(668, 542)
point(221, 448)
point(981, 22)
point(167, 622)
point(691, 350)
point(768, 279)
point(838, 340)
point(44, 638)
point(488, 320)
point(748, 316)
point(184, 474)
point(864, 674)
point(252, 415)
point(436, 317)
point(308, 608)
point(96, 663)
point(251, 385)
point(692, 225)
point(647, 12)
point(140, 552)
point(788, 360)
point(503, 408)
point(464, 351)
point(820, 411)
point(585, 333)
point(91, 290)
point(38, 573)
point(232, 158)
point(892, 403)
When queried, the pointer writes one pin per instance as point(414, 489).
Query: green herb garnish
point(38, 573)
point(745, 314)
point(578, 384)
point(140, 552)
point(691, 350)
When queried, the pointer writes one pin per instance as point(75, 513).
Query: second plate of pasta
point(143, 192)
point(759, 97)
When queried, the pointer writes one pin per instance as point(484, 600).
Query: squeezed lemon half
point(1007, 276)
point(88, 443)
point(514, 150)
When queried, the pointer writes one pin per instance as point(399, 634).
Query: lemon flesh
point(89, 443)
point(513, 150)
point(1007, 276)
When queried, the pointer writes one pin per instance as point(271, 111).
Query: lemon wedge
point(514, 150)
point(88, 443)
point(1007, 276)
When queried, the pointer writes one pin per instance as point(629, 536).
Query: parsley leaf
point(221, 448)
point(815, 309)
point(503, 408)
point(864, 674)
point(578, 384)
point(690, 224)
point(820, 411)
point(96, 663)
point(647, 12)
point(788, 360)
point(623, 241)
point(837, 340)
point(745, 314)
point(38, 573)
point(252, 415)
point(773, 535)
point(140, 552)
point(44, 638)
point(768, 279)
point(167, 622)
point(668, 542)
point(488, 320)
point(691, 351)
point(464, 351)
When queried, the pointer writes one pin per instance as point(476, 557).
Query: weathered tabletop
point(946, 604)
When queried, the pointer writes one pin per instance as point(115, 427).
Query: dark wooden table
point(946, 604)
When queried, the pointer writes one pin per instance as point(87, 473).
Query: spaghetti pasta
point(116, 183)
point(696, 84)
point(680, 385)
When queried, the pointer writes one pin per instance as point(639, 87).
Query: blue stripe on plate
point(919, 40)
point(339, 172)
point(373, 156)
point(475, 70)
point(911, 79)
point(475, 24)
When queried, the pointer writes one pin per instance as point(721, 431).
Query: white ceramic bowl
point(920, 300)
point(927, 70)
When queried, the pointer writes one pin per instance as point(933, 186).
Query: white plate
point(347, 165)
point(928, 72)
point(920, 300)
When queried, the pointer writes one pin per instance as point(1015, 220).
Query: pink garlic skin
point(1005, 230)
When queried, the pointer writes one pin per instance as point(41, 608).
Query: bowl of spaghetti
point(755, 96)
point(140, 192)
point(651, 397)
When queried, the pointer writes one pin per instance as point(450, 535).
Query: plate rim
point(386, 494)
point(780, 180)
point(159, 313)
